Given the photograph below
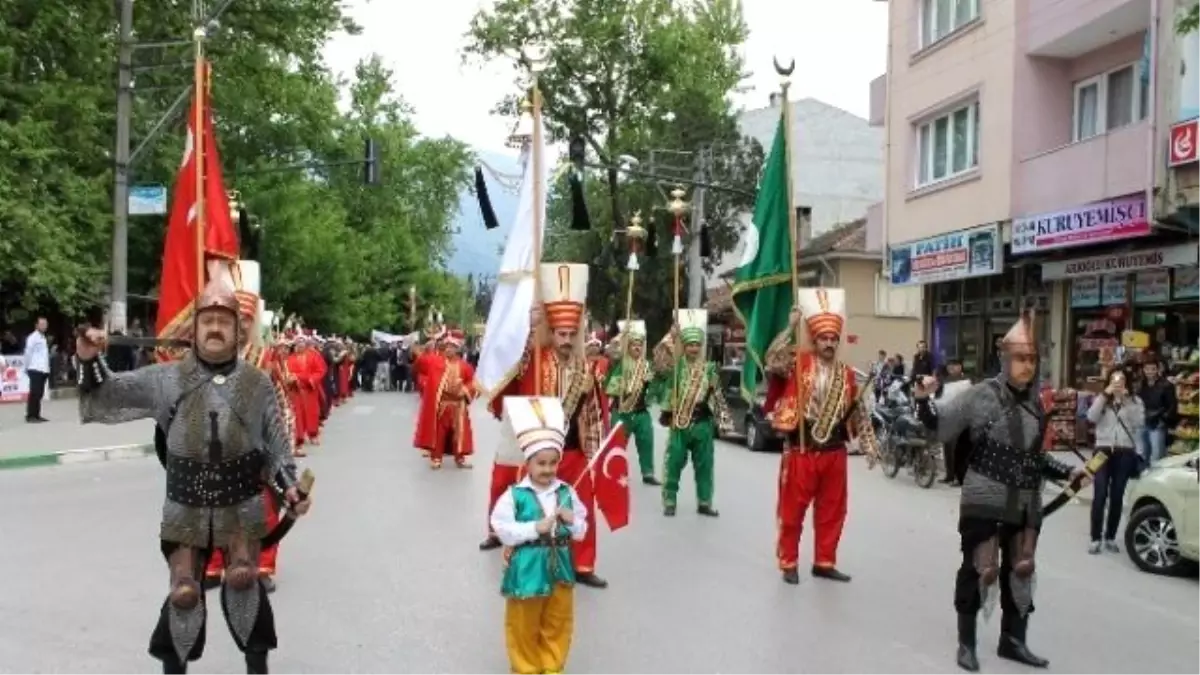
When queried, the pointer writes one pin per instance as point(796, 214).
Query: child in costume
point(536, 519)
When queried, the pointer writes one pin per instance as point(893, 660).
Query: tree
point(337, 252)
point(1188, 20)
point(630, 76)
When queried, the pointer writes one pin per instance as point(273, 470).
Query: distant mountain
point(477, 250)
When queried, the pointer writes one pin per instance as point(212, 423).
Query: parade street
point(385, 576)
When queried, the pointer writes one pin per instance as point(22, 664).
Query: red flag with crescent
point(610, 478)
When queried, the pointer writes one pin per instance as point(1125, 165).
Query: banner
point(1109, 220)
point(1129, 261)
point(958, 255)
point(14, 383)
point(391, 338)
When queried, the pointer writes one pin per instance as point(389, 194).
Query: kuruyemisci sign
point(1109, 220)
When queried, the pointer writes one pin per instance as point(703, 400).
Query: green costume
point(693, 397)
point(536, 566)
point(628, 386)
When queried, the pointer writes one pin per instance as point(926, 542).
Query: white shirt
point(37, 354)
point(513, 533)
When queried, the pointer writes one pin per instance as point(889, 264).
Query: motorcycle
point(903, 440)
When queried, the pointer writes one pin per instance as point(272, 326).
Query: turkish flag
point(177, 286)
point(610, 478)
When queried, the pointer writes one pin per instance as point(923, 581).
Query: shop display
point(1063, 420)
point(1186, 378)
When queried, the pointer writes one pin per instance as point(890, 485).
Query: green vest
point(537, 565)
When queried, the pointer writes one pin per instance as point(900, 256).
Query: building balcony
point(1067, 29)
point(1100, 167)
point(877, 116)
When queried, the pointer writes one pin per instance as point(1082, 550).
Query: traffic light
point(577, 153)
point(371, 163)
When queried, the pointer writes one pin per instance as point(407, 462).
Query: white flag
point(507, 328)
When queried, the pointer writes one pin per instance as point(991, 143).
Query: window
point(940, 18)
point(948, 145)
point(1108, 101)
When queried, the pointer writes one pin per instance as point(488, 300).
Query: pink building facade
point(1026, 135)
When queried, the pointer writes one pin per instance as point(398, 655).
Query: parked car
point(750, 424)
point(1163, 532)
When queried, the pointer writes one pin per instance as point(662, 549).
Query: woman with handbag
point(1119, 417)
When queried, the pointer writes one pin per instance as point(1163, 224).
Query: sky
point(422, 41)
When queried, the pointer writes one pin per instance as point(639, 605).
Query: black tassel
point(579, 213)
point(251, 237)
point(705, 242)
point(651, 239)
point(485, 202)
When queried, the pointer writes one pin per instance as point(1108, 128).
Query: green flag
point(762, 288)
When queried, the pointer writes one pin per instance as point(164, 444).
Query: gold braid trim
point(634, 383)
point(695, 384)
point(580, 383)
point(832, 407)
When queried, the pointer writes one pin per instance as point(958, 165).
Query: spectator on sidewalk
point(922, 362)
point(37, 367)
point(1119, 417)
point(1158, 397)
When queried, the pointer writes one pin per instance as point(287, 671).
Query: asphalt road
point(385, 576)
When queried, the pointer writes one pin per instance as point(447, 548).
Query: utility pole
point(695, 263)
point(118, 309)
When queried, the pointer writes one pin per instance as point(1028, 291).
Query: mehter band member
point(537, 519)
point(995, 429)
point(813, 401)
point(694, 408)
point(223, 433)
point(627, 387)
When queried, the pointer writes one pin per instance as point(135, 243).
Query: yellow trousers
point(538, 631)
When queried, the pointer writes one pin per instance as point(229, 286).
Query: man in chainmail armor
point(225, 437)
point(995, 429)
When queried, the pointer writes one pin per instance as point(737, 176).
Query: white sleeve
point(504, 522)
point(578, 528)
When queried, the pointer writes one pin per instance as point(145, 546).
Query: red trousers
point(300, 413)
point(817, 478)
point(266, 557)
point(572, 468)
point(312, 412)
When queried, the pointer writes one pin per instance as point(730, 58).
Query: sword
point(1073, 487)
point(288, 519)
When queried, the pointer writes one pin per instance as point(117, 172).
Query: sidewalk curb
point(80, 456)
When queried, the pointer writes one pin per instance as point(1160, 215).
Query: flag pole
point(198, 154)
point(678, 207)
point(793, 222)
point(636, 234)
point(536, 59)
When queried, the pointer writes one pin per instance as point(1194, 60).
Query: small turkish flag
point(610, 479)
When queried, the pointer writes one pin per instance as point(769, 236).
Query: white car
point(1163, 532)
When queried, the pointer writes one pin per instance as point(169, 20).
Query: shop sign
point(1152, 286)
point(1130, 261)
point(1109, 220)
point(958, 255)
point(1114, 289)
point(1187, 284)
point(1183, 143)
point(1085, 292)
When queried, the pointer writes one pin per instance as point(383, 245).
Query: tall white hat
point(823, 309)
point(634, 329)
point(693, 324)
point(535, 423)
point(564, 293)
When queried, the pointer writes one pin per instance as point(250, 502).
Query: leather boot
point(256, 663)
point(1012, 641)
point(967, 658)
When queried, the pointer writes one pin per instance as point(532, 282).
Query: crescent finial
point(784, 72)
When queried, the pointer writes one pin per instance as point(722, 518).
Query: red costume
point(815, 406)
point(307, 367)
point(344, 363)
point(443, 421)
point(564, 289)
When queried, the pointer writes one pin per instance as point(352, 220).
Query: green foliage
point(338, 253)
point(632, 76)
point(1188, 20)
